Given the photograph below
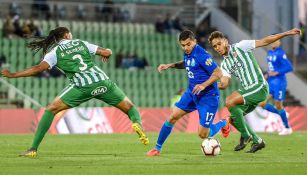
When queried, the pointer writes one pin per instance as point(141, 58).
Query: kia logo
point(99, 90)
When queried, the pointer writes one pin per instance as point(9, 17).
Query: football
point(211, 147)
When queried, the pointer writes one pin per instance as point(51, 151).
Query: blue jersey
point(278, 62)
point(200, 66)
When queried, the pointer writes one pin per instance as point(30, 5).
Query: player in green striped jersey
point(239, 61)
point(74, 58)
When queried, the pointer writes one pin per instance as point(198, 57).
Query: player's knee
point(229, 103)
point(173, 119)
point(262, 104)
point(279, 106)
point(53, 108)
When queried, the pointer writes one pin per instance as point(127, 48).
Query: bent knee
point(229, 103)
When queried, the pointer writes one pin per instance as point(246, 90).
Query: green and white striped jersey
point(74, 58)
point(241, 63)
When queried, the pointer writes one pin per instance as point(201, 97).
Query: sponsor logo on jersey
point(188, 62)
point(209, 62)
point(99, 90)
point(193, 62)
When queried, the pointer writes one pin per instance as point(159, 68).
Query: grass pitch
point(123, 154)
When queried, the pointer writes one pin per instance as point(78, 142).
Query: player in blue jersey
point(279, 65)
point(202, 93)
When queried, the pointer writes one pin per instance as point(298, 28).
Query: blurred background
point(142, 35)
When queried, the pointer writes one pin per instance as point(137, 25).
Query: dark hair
point(215, 34)
point(47, 42)
point(186, 34)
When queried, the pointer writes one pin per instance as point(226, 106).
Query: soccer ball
point(211, 147)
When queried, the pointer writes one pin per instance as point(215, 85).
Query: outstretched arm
point(272, 38)
point(177, 65)
point(217, 74)
point(27, 72)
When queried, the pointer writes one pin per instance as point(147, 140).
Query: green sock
point(238, 121)
point(42, 128)
point(256, 138)
point(134, 115)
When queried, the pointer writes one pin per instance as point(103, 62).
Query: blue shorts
point(278, 91)
point(206, 105)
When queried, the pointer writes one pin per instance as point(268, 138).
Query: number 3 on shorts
point(78, 56)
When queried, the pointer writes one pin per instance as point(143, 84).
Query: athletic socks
point(214, 128)
point(284, 118)
point(270, 108)
point(43, 126)
point(238, 121)
point(164, 133)
point(281, 112)
point(134, 115)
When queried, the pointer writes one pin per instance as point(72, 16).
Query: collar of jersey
point(230, 47)
point(62, 41)
point(277, 49)
point(192, 54)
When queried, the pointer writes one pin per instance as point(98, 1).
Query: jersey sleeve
point(225, 71)
point(206, 61)
point(286, 66)
point(91, 47)
point(246, 45)
point(51, 58)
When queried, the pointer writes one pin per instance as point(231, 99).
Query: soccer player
point(87, 81)
point(202, 93)
point(240, 62)
point(279, 65)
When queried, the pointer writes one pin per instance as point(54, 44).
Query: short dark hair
point(186, 34)
point(215, 34)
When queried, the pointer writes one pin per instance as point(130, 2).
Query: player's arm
point(216, 75)
point(27, 72)
point(224, 82)
point(272, 38)
point(177, 65)
point(285, 67)
point(105, 53)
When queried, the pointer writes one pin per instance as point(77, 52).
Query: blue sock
point(164, 133)
point(271, 108)
point(214, 128)
point(284, 118)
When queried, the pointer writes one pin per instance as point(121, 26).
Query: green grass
point(123, 154)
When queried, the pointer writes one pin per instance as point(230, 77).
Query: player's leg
point(166, 129)
point(252, 99)
point(207, 108)
point(128, 108)
point(116, 97)
point(69, 97)
point(184, 106)
point(278, 92)
point(281, 111)
point(234, 104)
point(267, 106)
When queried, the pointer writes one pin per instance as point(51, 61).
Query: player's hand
point(273, 73)
point(198, 88)
point(7, 73)
point(294, 31)
point(163, 67)
point(105, 59)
